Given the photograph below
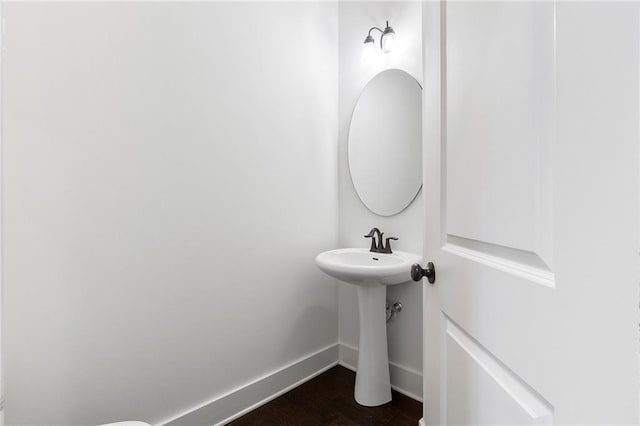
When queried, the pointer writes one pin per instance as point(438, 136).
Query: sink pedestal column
point(373, 385)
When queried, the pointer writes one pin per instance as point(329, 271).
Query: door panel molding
point(498, 123)
point(524, 264)
point(538, 410)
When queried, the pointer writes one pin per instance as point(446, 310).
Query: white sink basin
point(371, 273)
point(361, 267)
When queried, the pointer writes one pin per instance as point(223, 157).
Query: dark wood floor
point(328, 400)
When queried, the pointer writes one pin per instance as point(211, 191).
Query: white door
point(531, 190)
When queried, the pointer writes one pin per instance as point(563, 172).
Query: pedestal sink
point(371, 272)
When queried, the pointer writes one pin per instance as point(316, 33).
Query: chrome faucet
point(379, 246)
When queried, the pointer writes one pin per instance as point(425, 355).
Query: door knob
point(417, 272)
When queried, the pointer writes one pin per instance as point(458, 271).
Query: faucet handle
point(387, 247)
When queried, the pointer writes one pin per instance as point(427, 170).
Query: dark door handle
point(417, 272)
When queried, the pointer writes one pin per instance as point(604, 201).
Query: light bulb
point(369, 49)
point(388, 39)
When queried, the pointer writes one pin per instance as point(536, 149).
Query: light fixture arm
point(374, 28)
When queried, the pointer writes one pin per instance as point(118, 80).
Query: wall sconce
point(387, 40)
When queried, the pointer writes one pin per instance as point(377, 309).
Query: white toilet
point(129, 423)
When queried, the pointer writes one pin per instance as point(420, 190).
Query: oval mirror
point(385, 142)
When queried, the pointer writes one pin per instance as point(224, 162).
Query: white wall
point(169, 176)
point(405, 332)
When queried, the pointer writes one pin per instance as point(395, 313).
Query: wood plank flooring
point(328, 400)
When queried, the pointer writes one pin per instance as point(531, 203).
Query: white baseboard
point(421, 422)
point(223, 409)
point(404, 380)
